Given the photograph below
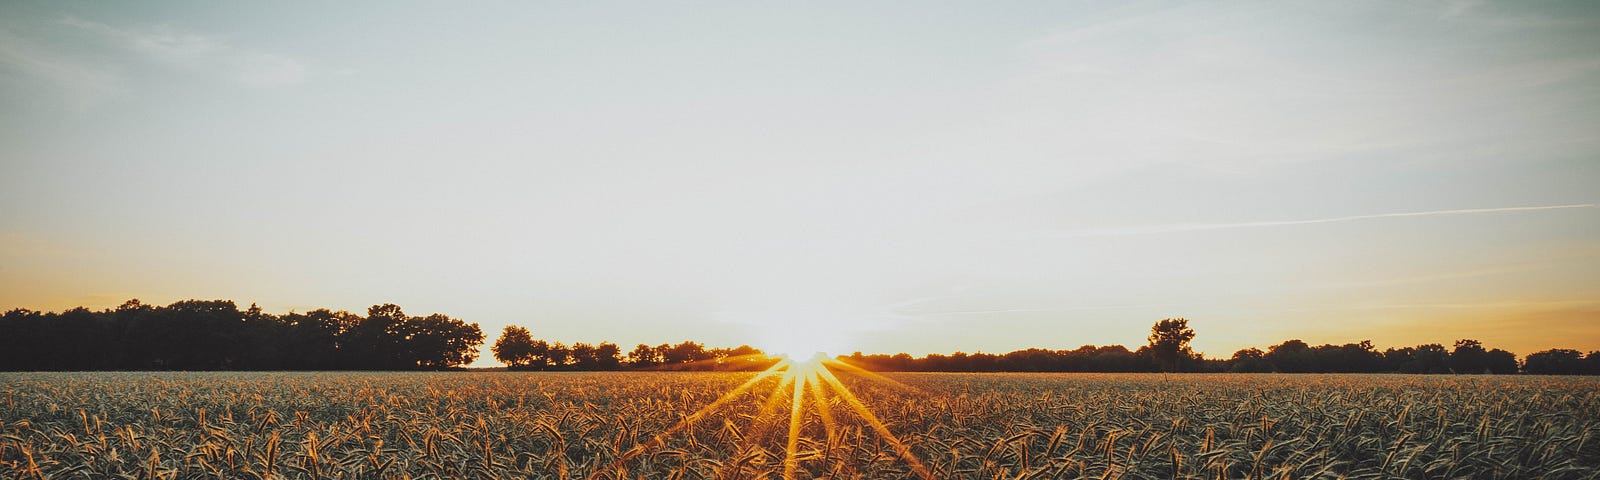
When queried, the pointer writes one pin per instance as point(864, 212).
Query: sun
point(800, 349)
point(801, 340)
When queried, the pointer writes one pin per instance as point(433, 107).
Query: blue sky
point(877, 177)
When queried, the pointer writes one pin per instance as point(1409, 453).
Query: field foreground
point(611, 425)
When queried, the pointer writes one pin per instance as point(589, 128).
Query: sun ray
point(789, 462)
point(795, 378)
point(877, 425)
point(873, 375)
point(764, 419)
point(820, 400)
point(691, 418)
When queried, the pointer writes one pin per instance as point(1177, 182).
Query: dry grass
point(573, 425)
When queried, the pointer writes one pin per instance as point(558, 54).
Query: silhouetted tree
point(583, 357)
point(1292, 356)
point(559, 355)
point(1030, 360)
point(607, 356)
point(313, 340)
point(984, 362)
point(80, 341)
point(1169, 343)
point(1117, 358)
point(514, 348)
point(643, 356)
point(1500, 362)
point(1347, 358)
point(377, 342)
point(216, 334)
point(539, 355)
point(902, 360)
point(438, 341)
point(740, 358)
point(128, 324)
point(1468, 357)
point(1558, 361)
point(1363, 357)
point(685, 352)
point(1431, 358)
point(1249, 360)
point(661, 353)
point(204, 335)
point(1399, 359)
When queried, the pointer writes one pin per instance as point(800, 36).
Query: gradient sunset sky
point(871, 176)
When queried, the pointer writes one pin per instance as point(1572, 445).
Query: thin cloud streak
point(83, 84)
point(247, 67)
point(1192, 227)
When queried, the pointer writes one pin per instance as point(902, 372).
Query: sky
point(937, 177)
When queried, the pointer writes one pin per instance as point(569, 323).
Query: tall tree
point(1432, 358)
point(1469, 357)
point(583, 357)
point(377, 342)
point(608, 356)
point(643, 356)
point(1291, 356)
point(1249, 360)
point(559, 355)
point(539, 354)
point(1558, 361)
point(1169, 343)
point(313, 339)
point(514, 348)
point(686, 352)
point(1500, 362)
point(438, 341)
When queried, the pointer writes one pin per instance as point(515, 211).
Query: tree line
point(1168, 351)
point(217, 335)
point(520, 351)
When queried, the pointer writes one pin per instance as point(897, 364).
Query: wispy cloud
point(1191, 227)
point(83, 84)
point(200, 52)
point(163, 41)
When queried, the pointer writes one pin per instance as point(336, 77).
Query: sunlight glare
point(796, 377)
point(801, 341)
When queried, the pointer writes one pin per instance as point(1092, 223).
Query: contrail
point(1190, 227)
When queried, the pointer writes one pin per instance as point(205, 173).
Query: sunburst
point(797, 380)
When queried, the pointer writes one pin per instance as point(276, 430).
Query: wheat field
point(656, 425)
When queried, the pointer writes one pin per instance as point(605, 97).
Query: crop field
point(841, 424)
